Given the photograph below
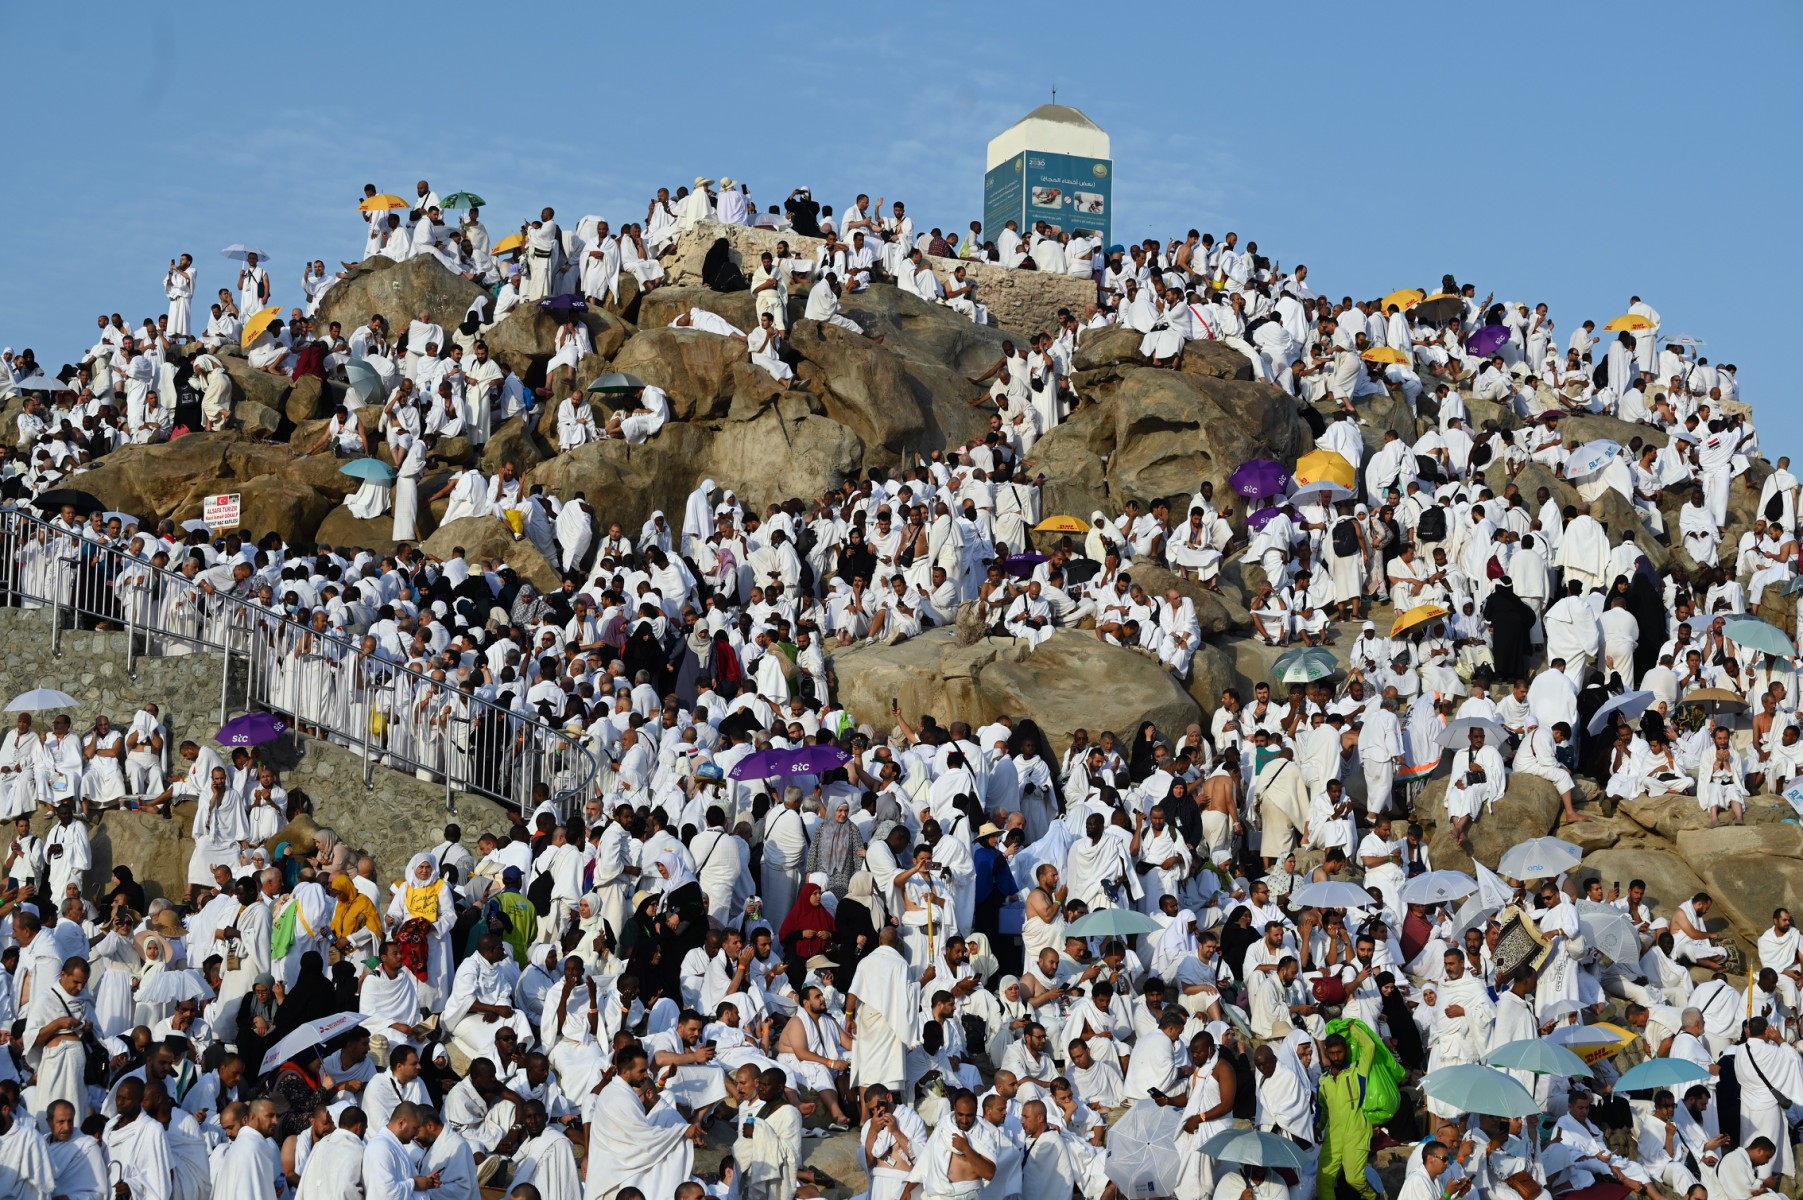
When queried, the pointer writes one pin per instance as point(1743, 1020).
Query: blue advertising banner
point(1065, 191)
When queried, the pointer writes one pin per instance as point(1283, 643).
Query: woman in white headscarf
point(1102, 537)
point(1014, 1015)
point(531, 990)
point(423, 895)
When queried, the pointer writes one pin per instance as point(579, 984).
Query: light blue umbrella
point(1112, 922)
point(1471, 1088)
point(373, 469)
point(364, 380)
point(1542, 1058)
point(1305, 666)
point(1661, 1073)
point(1762, 636)
point(1253, 1148)
point(1591, 457)
point(1629, 704)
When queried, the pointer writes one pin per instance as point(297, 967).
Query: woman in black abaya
point(1512, 627)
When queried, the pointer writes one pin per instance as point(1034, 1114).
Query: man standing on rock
point(544, 256)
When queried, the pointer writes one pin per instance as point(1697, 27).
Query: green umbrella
point(614, 382)
point(1305, 666)
point(1471, 1088)
point(1542, 1058)
point(464, 200)
point(1759, 635)
point(1112, 922)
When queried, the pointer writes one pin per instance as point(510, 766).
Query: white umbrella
point(1331, 893)
point(1474, 914)
point(196, 525)
point(38, 699)
point(242, 252)
point(172, 987)
point(310, 1034)
point(1591, 457)
point(1457, 734)
point(1629, 704)
point(1609, 930)
point(1540, 858)
point(124, 518)
point(1321, 492)
point(1438, 887)
point(1141, 1161)
point(44, 383)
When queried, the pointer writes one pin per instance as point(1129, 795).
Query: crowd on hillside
point(773, 919)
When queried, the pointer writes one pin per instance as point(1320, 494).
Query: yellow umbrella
point(382, 203)
point(1062, 525)
point(1628, 322)
point(1385, 354)
point(1324, 466)
point(1419, 615)
point(511, 242)
point(1595, 1054)
point(1405, 299)
point(258, 323)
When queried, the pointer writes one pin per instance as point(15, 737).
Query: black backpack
point(1432, 526)
point(1346, 538)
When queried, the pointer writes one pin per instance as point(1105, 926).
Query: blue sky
point(1572, 153)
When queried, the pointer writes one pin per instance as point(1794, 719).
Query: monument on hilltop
point(1052, 165)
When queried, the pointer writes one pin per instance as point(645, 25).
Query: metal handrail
point(389, 713)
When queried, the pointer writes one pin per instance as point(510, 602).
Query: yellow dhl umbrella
point(382, 203)
point(511, 242)
point(1404, 299)
point(1324, 466)
point(1062, 525)
point(1385, 354)
point(1419, 615)
point(1628, 323)
point(258, 323)
point(1595, 1054)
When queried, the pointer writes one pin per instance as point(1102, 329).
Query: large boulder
point(1748, 870)
point(341, 528)
point(693, 366)
point(1670, 881)
point(399, 292)
point(527, 339)
point(515, 441)
point(168, 479)
point(1530, 808)
point(660, 306)
point(273, 504)
point(491, 539)
point(1161, 433)
point(1054, 683)
point(1216, 612)
point(258, 421)
point(784, 451)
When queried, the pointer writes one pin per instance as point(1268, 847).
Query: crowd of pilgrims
point(698, 955)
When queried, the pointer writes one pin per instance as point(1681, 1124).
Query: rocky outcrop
point(527, 340)
point(627, 483)
point(399, 292)
point(490, 539)
point(1158, 432)
point(1024, 301)
point(1055, 684)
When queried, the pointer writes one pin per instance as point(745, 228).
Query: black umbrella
point(1080, 570)
point(54, 499)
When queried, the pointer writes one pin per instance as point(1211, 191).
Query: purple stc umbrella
point(569, 303)
point(1261, 518)
point(1486, 340)
point(815, 760)
point(251, 729)
point(760, 765)
point(1260, 478)
point(1021, 565)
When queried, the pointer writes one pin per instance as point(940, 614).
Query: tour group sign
point(222, 512)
